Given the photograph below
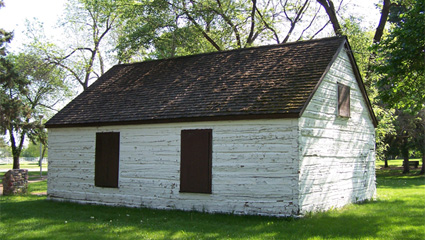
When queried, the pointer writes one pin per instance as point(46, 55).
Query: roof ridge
point(236, 50)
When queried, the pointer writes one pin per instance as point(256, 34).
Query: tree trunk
point(328, 5)
point(423, 154)
point(377, 38)
point(406, 168)
point(16, 164)
point(16, 149)
point(386, 163)
point(423, 163)
point(383, 20)
point(405, 152)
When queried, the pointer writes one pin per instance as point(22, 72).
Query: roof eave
point(177, 120)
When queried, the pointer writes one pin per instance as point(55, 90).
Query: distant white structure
point(9, 160)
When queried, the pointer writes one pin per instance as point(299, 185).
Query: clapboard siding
point(336, 154)
point(254, 167)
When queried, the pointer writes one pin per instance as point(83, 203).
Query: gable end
point(346, 47)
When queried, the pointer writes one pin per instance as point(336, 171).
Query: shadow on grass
point(36, 218)
point(394, 178)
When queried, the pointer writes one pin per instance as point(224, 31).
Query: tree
point(401, 64)
point(88, 25)
point(6, 73)
point(382, 21)
point(390, 85)
point(34, 89)
point(419, 139)
point(404, 128)
point(408, 137)
point(186, 27)
point(169, 28)
point(401, 59)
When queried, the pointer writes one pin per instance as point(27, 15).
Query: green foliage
point(401, 61)
point(32, 91)
point(11, 84)
point(163, 29)
point(5, 37)
point(396, 214)
point(400, 76)
point(384, 130)
point(141, 22)
point(360, 41)
point(33, 150)
point(5, 150)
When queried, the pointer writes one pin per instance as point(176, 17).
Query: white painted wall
point(255, 167)
point(337, 155)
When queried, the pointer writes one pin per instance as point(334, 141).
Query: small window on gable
point(195, 161)
point(343, 100)
point(107, 159)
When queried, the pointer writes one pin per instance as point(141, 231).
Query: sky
point(15, 13)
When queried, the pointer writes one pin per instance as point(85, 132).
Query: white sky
point(15, 12)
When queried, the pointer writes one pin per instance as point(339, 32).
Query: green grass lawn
point(398, 163)
point(398, 213)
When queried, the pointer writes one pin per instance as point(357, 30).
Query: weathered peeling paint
point(254, 167)
point(337, 155)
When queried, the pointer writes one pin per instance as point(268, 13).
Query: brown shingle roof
point(274, 80)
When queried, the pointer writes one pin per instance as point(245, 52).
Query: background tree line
point(101, 33)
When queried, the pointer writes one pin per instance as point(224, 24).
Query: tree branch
point(193, 21)
point(294, 22)
point(249, 40)
point(73, 73)
point(276, 36)
point(382, 21)
point(311, 23)
point(330, 10)
point(324, 26)
point(230, 23)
